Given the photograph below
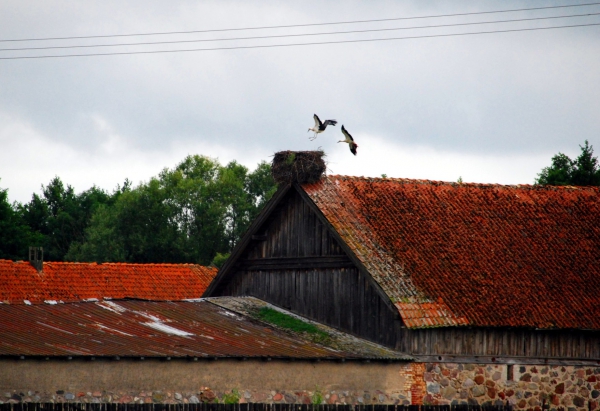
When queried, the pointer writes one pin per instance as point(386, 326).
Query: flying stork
point(349, 140)
point(320, 126)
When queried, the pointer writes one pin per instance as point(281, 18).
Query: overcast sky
point(489, 108)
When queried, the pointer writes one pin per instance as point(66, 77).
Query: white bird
point(349, 140)
point(320, 126)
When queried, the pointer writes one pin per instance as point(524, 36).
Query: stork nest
point(298, 167)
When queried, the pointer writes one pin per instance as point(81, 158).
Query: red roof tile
point(473, 254)
point(20, 281)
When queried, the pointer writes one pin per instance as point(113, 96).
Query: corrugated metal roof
point(22, 284)
point(132, 328)
point(339, 340)
point(450, 254)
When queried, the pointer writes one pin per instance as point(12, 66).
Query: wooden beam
point(464, 359)
point(241, 246)
point(296, 263)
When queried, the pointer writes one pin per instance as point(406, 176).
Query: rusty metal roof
point(336, 339)
point(133, 328)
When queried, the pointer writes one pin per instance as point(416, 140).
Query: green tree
point(261, 186)
point(583, 171)
point(60, 216)
point(15, 234)
point(193, 213)
point(103, 242)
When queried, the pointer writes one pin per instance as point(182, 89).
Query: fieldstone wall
point(526, 387)
point(207, 395)
point(188, 382)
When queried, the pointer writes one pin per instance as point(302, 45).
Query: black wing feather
point(346, 133)
point(317, 121)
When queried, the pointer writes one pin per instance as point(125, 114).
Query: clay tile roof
point(20, 283)
point(450, 254)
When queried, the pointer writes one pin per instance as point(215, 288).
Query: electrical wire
point(300, 35)
point(302, 25)
point(301, 44)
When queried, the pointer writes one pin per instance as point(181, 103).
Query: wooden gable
point(291, 257)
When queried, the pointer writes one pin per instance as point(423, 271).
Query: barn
point(400, 291)
point(493, 289)
point(141, 334)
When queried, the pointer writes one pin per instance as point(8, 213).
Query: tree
point(15, 234)
point(193, 213)
point(60, 217)
point(103, 242)
point(261, 186)
point(584, 171)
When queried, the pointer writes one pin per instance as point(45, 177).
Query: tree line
point(193, 213)
point(582, 171)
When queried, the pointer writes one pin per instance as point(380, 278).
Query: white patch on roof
point(110, 306)
point(167, 329)
point(27, 302)
point(194, 300)
point(207, 336)
point(54, 328)
point(51, 302)
point(112, 330)
point(230, 314)
point(90, 300)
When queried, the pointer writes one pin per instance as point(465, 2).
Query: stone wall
point(526, 387)
point(154, 381)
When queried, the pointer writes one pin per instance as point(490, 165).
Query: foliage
point(583, 171)
point(15, 234)
point(53, 220)
point(193, 213)
point(219, 260)
point(231, 398)
point(287, 321)
point(317, 397)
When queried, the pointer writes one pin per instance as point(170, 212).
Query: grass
point(231, 398)
point(291, 323)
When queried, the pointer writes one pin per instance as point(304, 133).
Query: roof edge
point(245, 240)
point(355, 260)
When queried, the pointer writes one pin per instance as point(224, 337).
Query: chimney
point(36, 258)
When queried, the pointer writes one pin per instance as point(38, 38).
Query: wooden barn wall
point(501, 342)
point(311, 276)
point(341, 298)
point(294, 262)
point(294, 230)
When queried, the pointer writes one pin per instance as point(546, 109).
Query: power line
point(302, 25)
point(300, 35)
point(301, 44)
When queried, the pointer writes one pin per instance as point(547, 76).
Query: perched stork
point(320, 126)
point(349, 140)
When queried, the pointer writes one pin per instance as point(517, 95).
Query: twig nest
point(298, 166)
